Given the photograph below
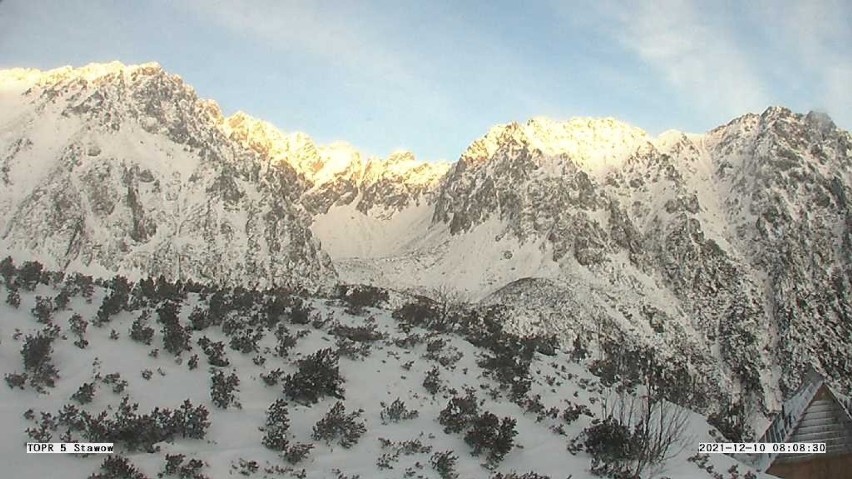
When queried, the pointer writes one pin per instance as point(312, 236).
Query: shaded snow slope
point(394, 367)
point(109, 169)
point(742, 236)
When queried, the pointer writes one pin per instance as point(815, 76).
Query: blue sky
point(432, 76)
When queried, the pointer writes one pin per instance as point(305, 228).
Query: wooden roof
point(816, 413)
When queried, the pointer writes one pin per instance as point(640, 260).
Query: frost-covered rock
point(728, 253)
point(110, 168)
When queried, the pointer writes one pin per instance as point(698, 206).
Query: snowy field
point(388, 362)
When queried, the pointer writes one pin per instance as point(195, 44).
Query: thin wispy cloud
point(694, 52)
point(431, 65)
point(433, 76)
point(727, 58)
point(355, 45)
point(332, 32)
point(815, 37)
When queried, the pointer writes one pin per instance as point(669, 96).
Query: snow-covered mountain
point(735, 242)
point(110, 168)
point(728, 254)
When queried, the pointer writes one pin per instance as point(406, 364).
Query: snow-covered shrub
point(42, 433)
point(276, 427)
point(515, 475)
point(172, 465)
point(117, 467)
point(37, 361)
point(459, 413)
point(175, 337)
point(509, 363)
point(408, 341)
point(338, 474)
point(444, 463)
point(300, 313)
point(215, 352)
point(732, 421)
point(490, 433)
point(223, 389)
point(318, 376)
point(136, 431)
point(483, 432)
point(572, 412)
point(285, 340)
point(611, 445)
point(422, 313)
point(272, 377)
point(176, 467)
point(191, 421)
point(16, 380)
point(43, 309)
point(337, 426)
point(8, 270)
point(114, 379)
point(297, 452)
point(140, 331)
point(636, 434)
point(533, 405)
point(115, 301)
point(274, 307)
point(78, 326)
point(13, 298)
point(445, 356)
point(396, 411)
point(85, 393)
point(54, 279)
point(365, 333)
point(394, 449)
point(435, 345)
point(76, 283)
point(169, 291)
point(359, 297)
point(61, 300)
point(246, 468)
point(70, 416)
point(199, 319)
point(30, 274)
point(245, 339)
point(352, 349)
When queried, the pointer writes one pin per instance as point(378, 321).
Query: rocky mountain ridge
point(727, 252)
point(121, 169)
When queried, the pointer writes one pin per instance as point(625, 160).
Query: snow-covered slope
point(361, 206)
point(109, 168)
point(98, 345)
point(730, 250)
point(739, 237)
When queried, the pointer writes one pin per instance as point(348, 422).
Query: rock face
point(730, 248)
point(728, 253)
point(121, 169)
point(338, 174)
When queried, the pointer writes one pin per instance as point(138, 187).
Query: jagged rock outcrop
point(728, 253)
point(338, 174)
point(739, 237)
point(115, 169)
